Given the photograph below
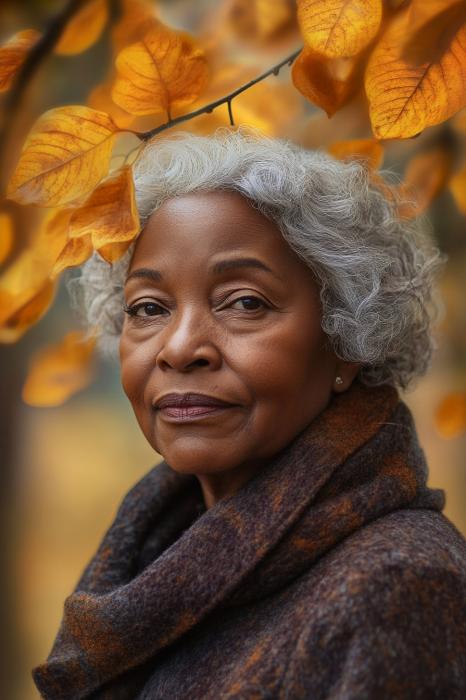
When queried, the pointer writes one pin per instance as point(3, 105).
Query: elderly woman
point(288, 545)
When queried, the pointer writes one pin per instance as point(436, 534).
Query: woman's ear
point(345, 373)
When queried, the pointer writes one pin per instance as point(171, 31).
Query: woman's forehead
point(206, 224)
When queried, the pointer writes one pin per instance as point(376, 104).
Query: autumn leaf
point(262, 107)
point(75, 252)
point(65, 156)
point(458, 189)
point(436, 31)
point(100, 98)
point(6, 235)
point(111, 252)
point(340, 28)
point(136, 19)
point(459, 122)
point(328, 84)
point(366, 149)
point(109, 215)
point(34, 305)
point(26, 287)
point(406, 98)
point(450, 415)
point(13, 55)
point(163, 71)
point(84, 29)
point(58, 371)
point(425, 177)
point(259, 19)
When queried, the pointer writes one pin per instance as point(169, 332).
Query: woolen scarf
point(331, 574)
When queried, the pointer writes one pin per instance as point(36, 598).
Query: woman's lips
point(183, 414)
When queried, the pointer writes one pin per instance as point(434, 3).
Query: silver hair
point(376, 271)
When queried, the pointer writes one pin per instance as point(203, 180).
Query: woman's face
point(222, 306)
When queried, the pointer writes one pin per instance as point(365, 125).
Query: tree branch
point(35, 57)
point(147, 135)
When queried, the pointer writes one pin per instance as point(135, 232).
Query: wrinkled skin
point(246, 335)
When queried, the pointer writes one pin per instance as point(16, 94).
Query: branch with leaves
point(401, 67)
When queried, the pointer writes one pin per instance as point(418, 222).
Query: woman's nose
point(187, 343)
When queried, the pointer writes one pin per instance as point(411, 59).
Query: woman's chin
point(191, 457)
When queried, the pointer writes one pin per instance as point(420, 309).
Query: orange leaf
point(450, 415)
point(25, 315)
point(84, 29)
point(162, 71)
point(259, 19)
point(458, 189)
point(65, 156)
point(60, 370)
point(441, 20)
point(26, 291)
point(405, 98)
point(111, 252)
point(323, 82)
point(368, 149)
point(75, 252)
point(262, 107)
point(459, 122)
point(50, 239)
point(137, 17)
point(13, 54)
point(340, 28)
point(109, 215)
point(426, 176)
point(100, 98)
point(6, 235)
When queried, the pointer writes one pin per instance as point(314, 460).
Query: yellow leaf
point(137, 17)
point(450, 415)
point(50, 238)
point(262, 107)
point(368, 149)
point(26, 291)
point(459, 122)
point(340, 28)
point(406, 98)
point(111, 252)
point(84, 28)
point(75, 252)
point(6, 235)
point(259, 19)
point(163, 71)
point(109, 215)
point(438, 21)
point(25, 315)
point(426, 176)
point(100, 98)
point(60, 370)
point(65, 156)
point(458, 189)
point(322, 82)
point(13, 54)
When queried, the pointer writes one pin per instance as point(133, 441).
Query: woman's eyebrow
point(217, 268)
point(236, 263)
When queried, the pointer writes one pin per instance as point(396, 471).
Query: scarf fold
point(166, 562)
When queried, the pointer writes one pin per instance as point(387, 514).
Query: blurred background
point(66, 468)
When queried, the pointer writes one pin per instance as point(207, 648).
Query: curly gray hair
point(376, 271)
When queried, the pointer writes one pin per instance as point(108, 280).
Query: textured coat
point(331, 574)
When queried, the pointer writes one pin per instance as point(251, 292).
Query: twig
point(147, 135)
point(35, 57)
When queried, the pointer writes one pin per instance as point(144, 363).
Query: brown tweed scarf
point(167, 565)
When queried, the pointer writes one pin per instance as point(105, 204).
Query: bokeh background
point(65, 469)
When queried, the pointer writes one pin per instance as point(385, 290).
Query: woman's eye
point(250, 303)
point(144, 309)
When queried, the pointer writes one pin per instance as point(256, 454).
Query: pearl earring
point(338, 380)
